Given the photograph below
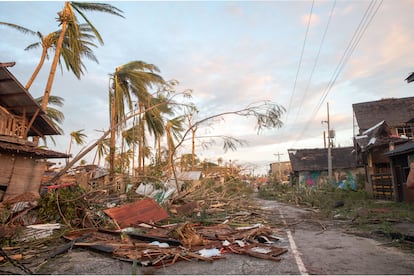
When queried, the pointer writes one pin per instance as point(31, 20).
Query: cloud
point(311, 19)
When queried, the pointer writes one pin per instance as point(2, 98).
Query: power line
point(356, 38)
point(359, 32)
point(300, 60)
point(316, 60)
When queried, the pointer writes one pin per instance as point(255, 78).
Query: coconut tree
point(69, 26)
point(102, 149)
point(173, 129)
point(70, 58)
point(130, 82)
point(46, 43)
point(54, 115)
point(78, 137)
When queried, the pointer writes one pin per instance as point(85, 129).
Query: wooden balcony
point(11, 125)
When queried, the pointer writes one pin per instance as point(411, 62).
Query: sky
point(302, 55)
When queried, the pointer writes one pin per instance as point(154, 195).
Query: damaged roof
point(410, 78)
point(378, 135)
point(18, 101)
point(22, 149)
point(317, 159)
point(395, 112)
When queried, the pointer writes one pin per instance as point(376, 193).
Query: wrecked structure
point(21, 117)
point(310, 167)
point(384, 125)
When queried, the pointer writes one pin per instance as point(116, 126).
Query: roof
point(395, 112)
point(22, 149)
point(18, 101)
point(410, 78)
point(403, 149)
point(317, 159)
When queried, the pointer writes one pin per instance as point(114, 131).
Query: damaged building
point(384, 125)
point(21, 117)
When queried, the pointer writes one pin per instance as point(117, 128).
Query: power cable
point(300, 60)
point(316, 59)
point(359, 32)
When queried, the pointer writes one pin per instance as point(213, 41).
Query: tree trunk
point(69, 149)
point(55, 58)
point(193, 131)
point(37, 70)
point(112, 139)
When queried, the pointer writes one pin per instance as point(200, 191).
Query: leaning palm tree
point(130, 81)
point(46, 43)
point(101, 150)
point(69, 25)
point(173, 129)
point(68, 55)
point(78, 137)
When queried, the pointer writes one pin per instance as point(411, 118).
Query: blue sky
point(231, 54)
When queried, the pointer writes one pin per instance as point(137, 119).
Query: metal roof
point(18, 101)
point(406, 148)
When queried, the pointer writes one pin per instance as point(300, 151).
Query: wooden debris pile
point(214, 202)
point(160, 246)
point(203, 223)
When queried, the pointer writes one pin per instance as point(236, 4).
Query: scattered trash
point(212, 252)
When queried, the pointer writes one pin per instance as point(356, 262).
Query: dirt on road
point(315, 246)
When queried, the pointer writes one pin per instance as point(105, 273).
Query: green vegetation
point(364, 213)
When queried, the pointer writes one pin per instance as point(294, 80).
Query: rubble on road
point(204, 223)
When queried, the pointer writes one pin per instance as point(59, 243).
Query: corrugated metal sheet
point(146, 210)
point(18, 101)
point(190, 175)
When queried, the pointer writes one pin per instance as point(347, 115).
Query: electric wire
point(316, 60)
point(369, 14)
point(300, 61)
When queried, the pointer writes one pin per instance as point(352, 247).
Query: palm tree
point(79, 138)
point(54, 115)
point(101, 150)
point(132, 80)
point(46, 42)
point(49, 42)
point(173, 129)
point(69, 26)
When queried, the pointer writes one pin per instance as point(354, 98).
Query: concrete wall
point(342, 178)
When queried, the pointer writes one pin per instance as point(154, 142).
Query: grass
point(364, 213)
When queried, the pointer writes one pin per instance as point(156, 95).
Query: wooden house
point(400, 159)
point(22, 163)
point(383, 125)
point(310, 167)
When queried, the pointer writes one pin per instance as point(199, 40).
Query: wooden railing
point(11, 125)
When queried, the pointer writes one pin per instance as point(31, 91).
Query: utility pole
point(330, 133)
point(278, 160)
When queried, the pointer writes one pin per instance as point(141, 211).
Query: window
point(407, 131)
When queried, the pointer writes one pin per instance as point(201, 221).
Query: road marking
point(293, 247)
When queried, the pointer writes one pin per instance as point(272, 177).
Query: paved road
point(315, 247)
